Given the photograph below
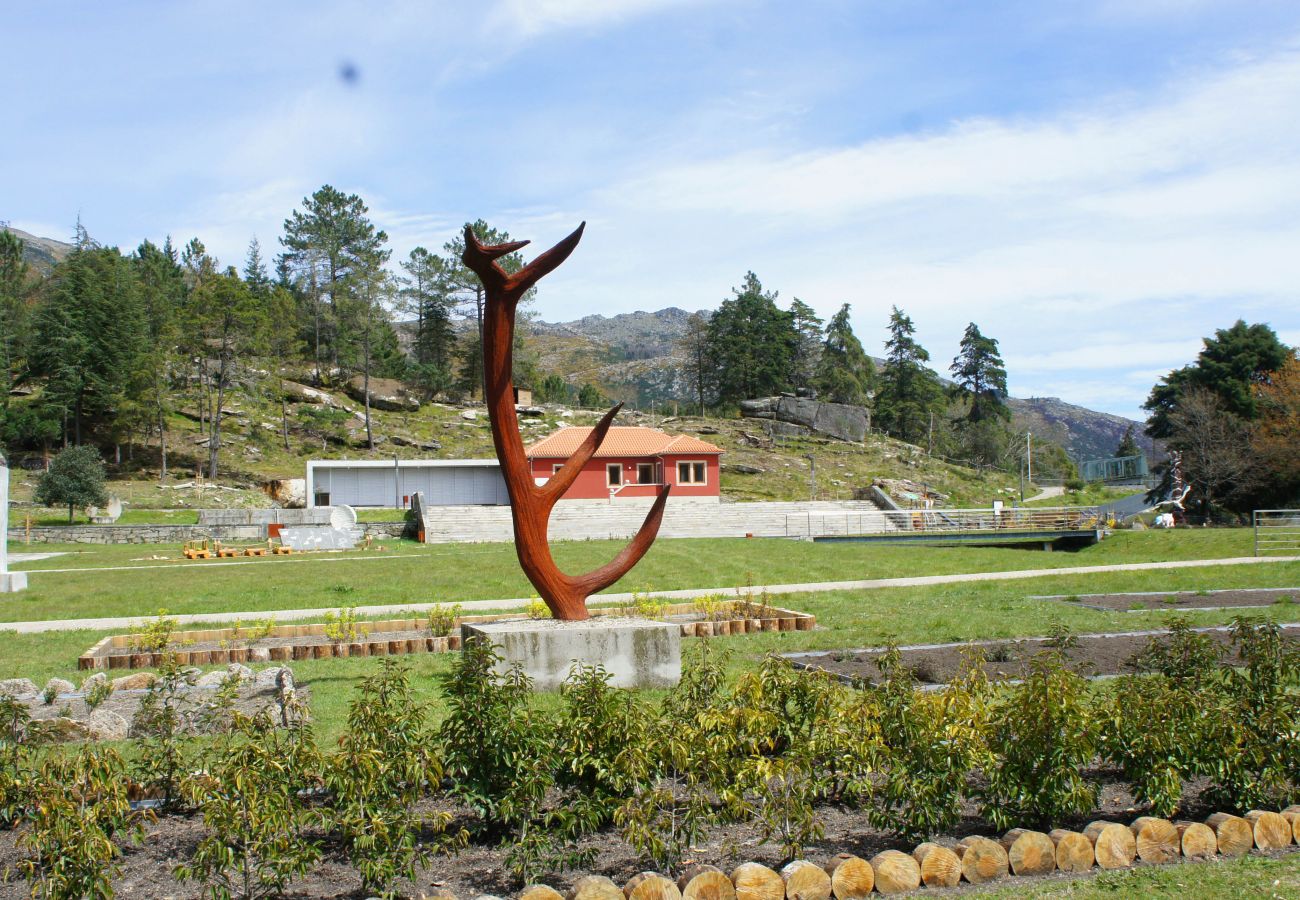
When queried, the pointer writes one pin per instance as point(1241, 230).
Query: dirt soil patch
point(1246, 598)
point(1095, 654)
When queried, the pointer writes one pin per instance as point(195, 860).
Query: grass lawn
point(66, 587)
point(1251, 876)
point(847, 619)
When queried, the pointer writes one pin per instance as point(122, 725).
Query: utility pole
point(1029, 455)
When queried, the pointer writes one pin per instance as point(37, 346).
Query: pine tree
point(693, 350)
point(460, 282)
point(259, 283)
point(162, 290)
point(15, 288)
point(425, 294)
point(751, 344)
point(1128, 445)
point(845, 372)
point(326, 243)
point(981, 376)
point(909, 393)
point(808, 344)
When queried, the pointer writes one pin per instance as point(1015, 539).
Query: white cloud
point(529, 18)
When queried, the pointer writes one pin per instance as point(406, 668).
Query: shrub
point(343, 626)
point(663, 819)
point(75, 478)
point(1041, 734)
point(163, 748)
point(380, 771)
point(1263, 715)
point(537, 609)
point(257, 825)
point(156, 635)
point(13, 752)
point(929, 744)
point(500, 756)
point(1186, 656)
point(100, 692)
point(784, 792)
point(78, 804)
point(442, 619)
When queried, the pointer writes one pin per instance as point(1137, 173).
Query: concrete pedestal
point(11, 582)
point(637, 653)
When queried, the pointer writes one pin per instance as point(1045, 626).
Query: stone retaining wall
point(165, 534)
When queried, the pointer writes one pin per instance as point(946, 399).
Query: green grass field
point(71, 586)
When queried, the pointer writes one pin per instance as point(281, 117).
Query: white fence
point(1277, 531)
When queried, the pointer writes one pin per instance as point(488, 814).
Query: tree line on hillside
point(109, 346)
point(751, 347)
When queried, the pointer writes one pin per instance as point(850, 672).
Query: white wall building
point(391, 483)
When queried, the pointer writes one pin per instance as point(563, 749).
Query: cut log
point(940, 867)
point(755, 881)
point(895, 872)
point(1029, 852)
point(540, 892)
point(1197, 841)
point(651, 886)
point(1073, 851)
point(1292, 815)
point(1232, 833)
point(595, 887)
point(852, 877)
point(1157, 839)
point(1113, 844)
point(706, 882)
point(1272, 832)
point(805, 881)
point(981, 859)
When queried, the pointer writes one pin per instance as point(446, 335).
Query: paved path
point(1052, 490)
point(400, 609)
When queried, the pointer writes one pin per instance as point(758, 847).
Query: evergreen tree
point(15, 288)
point(980, 376)
point(1128, 445)
point(425, 294)
point(1230, 365)
point(909, 392)
point(328, 242)
point(89, 335)
point(461, 283)
point(751, 344)
point(845, 373)
point(808, 344)
point(259, 283)
point(693, 350)
point(162, 291)
point(232, 325)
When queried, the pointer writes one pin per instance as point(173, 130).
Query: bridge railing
point(1277, 532)
point(946, 521)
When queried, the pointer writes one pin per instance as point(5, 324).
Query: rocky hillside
point(41, 253)
point(1085, 433)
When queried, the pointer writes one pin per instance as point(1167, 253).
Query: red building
point(631, 462)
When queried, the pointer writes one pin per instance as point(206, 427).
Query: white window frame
point(611, 468)
point(693, 463)
point(555, 467)
point(651, 467)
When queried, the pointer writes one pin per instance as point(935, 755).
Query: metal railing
point(946, 521)
point(1277, 531)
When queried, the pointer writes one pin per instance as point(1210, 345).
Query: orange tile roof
point(621, 440)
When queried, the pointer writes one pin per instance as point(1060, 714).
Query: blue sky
point(1096, 184)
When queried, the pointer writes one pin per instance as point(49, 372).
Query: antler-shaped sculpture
point(531, 505)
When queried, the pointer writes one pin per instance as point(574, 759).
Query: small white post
point(9, 581)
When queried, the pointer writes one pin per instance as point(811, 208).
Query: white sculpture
point(9, 581)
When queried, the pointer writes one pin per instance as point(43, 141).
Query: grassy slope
point(413, 573)
point(253, 451)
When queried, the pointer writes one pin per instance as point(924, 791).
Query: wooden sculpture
point(530, 504)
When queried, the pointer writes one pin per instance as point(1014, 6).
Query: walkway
point(402, 609)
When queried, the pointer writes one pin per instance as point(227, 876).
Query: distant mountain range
point(631, 356)
point(41, 253)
